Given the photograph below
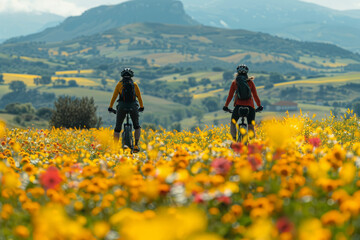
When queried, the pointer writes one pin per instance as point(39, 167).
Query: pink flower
point(224, 199)
point(198, 198)
point(221, 166)
point(51, 178)
point(316, 142)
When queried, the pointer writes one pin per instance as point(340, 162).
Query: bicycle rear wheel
point(242, 133)
point(127, 138)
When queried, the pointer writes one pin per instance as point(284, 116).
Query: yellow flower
point(101, 229)
point(261, 229)
point(29, 169)
point(347, 172)
point(312, 230)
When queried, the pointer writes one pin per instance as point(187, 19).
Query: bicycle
point(126, 135)
point(243, 127)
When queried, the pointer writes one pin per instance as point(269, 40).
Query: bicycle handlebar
point(231, 111)
point(112, 110)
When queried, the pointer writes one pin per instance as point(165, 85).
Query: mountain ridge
point(23, 23)
point(102, 18)
point(287, 18)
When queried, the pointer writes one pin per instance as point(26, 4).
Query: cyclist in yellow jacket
point(128, 91)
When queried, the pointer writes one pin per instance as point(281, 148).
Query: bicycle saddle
point(243, 111)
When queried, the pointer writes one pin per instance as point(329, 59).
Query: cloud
point(59, 7)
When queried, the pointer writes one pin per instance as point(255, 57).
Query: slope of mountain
point(353, 13)
point(287, 18)
point(102, 18)
point(18, 24)
point(196, 47)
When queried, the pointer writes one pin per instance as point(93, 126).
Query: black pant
point(121, 114)
point(236, 115)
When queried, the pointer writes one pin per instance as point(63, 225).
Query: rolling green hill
point(145, 45)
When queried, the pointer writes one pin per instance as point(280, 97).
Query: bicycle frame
point(126, 136)
point(243, 112)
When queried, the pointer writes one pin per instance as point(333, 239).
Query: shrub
point(75, 113)
point(20, 108)
point(44, 113)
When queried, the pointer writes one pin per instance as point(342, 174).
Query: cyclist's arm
point(231, 94)
point(138, 95)
point(116, 93)
point(254, 93)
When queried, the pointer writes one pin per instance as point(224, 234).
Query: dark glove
point(111, 110)
point(141, 109)
point(260, 108)
point(226, 109)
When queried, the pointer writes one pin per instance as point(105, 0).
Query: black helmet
point(242, 69)
point(127, 72)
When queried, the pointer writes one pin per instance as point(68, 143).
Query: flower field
point(298, 179)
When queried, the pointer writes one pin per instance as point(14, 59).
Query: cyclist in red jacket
point(242, 71)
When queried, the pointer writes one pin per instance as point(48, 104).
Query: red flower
point(224, 199)
point(51, 178)
point(237, 147)
point(316, 142)
point(254, 148)
point(221, 165)
point(255, 162)
point(284, 225)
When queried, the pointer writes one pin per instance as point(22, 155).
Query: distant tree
point(44, 113)
point(59, 82)
point(276, 77)
point(176, 126)
point(19, 108)
point(75, 113)
point(45, 80)
point(17, 86)
point(269, 86)
point(228, 75)
point(37, 81)
point(356, 108)
point(192, 81)
point(217, 69)
point(1, 79)
point(205, 81)
point(72, 83)
point(199, 115)
point(103, 82)
point(183, 98)
point(179, 114)
point(211, 103)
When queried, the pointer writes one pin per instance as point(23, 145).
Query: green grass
point(4, 89)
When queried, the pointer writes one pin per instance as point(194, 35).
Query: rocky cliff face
point(99, 19)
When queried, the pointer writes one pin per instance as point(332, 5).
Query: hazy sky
point(76, 7)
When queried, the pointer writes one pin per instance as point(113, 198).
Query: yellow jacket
point(118, 90)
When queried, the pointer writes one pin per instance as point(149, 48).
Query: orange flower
point(333, 217)
point(21, 231)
